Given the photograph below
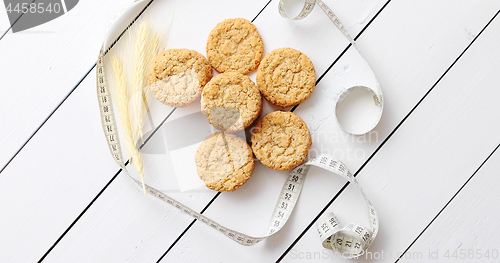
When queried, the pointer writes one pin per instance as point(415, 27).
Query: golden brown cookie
point(235, 44)
point(177, 76)
point(281, 140)
point(286, 77)
point(224, 162)
point(231, 101)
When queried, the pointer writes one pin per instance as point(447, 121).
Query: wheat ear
point(152, 53)
point(121, 97)
point(142, 53)
point(145, 50)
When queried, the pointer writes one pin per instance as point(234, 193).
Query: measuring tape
point(350, 241)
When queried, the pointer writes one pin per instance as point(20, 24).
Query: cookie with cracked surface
point(281, 140)
point(286, 77)
point(231, 101)
point(235, 45)
point(177, 76)
point(224, 162)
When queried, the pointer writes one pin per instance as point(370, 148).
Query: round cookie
point(224, 162)
point(286, 77)
point(235, 44)
point(281, 140)
point(177, 76)
point(231, 101)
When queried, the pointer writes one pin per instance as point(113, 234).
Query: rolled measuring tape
point(374, 89)
point(350, 241)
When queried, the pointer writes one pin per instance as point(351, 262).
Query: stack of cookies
point(232, 102)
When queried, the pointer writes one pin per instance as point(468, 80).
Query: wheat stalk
point(121, 96)
point(132, 99)
point(146, 48)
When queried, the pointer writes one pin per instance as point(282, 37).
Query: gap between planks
point(446, 205)
point(385, 141)
point(11, 25)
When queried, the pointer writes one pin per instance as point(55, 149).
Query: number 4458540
point(34, 8)
point(471, 254)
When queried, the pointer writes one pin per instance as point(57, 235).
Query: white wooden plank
point(406, 69)
point(428, 159)
point(67, 163)
point(41, 65)
point(467, 230)
point(153, 242)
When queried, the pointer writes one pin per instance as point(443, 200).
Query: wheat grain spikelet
point(121, 97)
point(153, 52)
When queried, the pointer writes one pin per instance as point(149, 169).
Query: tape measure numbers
point(108, 120)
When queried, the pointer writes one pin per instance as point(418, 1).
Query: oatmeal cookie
point(177, 76)
point(231, 101)
point(224, 162)
point(235, 45)
point(281, 140)
point(286, 77)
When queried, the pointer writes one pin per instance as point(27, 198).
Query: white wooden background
point(430, 167)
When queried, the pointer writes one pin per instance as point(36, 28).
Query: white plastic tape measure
point(349, 242)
